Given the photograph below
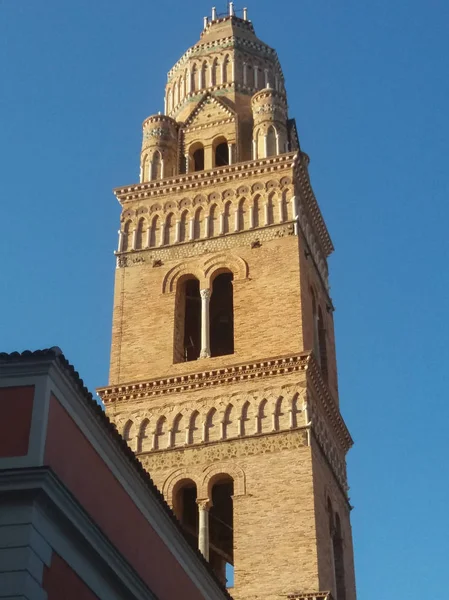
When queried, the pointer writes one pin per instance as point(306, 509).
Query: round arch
point(212, 473)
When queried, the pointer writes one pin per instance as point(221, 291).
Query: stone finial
point(245, 14)
point(231, 9)
point(205, 22)
point(214, 13)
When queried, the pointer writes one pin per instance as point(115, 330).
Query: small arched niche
point(186, 509)
point(222, 314)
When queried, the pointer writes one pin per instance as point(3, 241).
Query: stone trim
point(310, 596)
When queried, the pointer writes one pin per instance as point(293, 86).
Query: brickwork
point(267, 414)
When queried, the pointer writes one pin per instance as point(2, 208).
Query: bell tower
point(223, 375)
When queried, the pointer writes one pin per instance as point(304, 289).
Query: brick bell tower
point(223, 375)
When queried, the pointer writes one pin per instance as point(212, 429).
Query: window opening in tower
point(222, 155)
point(198, 160)
point(186, 510)
point(222, 316)
point(192, 320)
point(221, 528)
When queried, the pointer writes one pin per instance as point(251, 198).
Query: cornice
point(198, 179)
point(246, 371)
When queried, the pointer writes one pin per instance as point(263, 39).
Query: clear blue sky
point(368, 84)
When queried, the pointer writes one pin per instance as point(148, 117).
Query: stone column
point(267, 213)
point(192, 228)
point(178, 230)
point(186, 157)
point(281, 211)
point(205, 333)
point(221, 224)
point(162, 168)
point(230, 153)
point(149, 235)
point(256, 77)
point(150, 171)
point(134, 238)
point(236, 219)
point(295, 213)
point(120, 240)
point(245, 73)
point(203, 530)
point(206, 226)
point(266, 78)
point(265, 145)
point(251, 216)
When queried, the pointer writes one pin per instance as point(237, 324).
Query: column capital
point(204, 504)
point(205, 294)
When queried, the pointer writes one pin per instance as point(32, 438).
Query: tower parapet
point(270, 135)
point(159, 148)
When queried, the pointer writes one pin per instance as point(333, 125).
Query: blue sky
point(368, 84)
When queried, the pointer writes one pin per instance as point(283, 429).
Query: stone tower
point(223, 374)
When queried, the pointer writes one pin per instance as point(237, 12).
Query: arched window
point(271, 141)
point(187, 334)
point(212, 429)
point(186, 509)
point(221, 526)
point(161, 434)
point(169, 229)
point(322, 344)
point(196, 157)
point(183, 225)
point(221, 153)
point(269, 210)
point(141, 233)
point(178, 431)
point(226, 70)
point(155, 232)
point(126, 240)
point(249, 76)
point(156, 166)
point(243, 215)
point(222, 315)
point(144, 440)
point(144, 172)
point(295, 411)
point(263, 418)
point(195, 433)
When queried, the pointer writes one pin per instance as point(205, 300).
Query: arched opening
point(186, 509)
point(221, 152)
point(221, 527)
point(229, 423)
point(213, 73)
point(243, 215)
point(271, 142)
point(247, 420)
point(222, 315)
point(144, 440)
point(225, 75)
point(322, 344)
point(204, 75)
point(197, 157)
point(281, 416)
point(256, 211)
point(156, 166)
point(249, 76)
point(188, 319)
point(339, 560)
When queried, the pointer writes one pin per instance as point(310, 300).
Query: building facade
point(223, 373)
